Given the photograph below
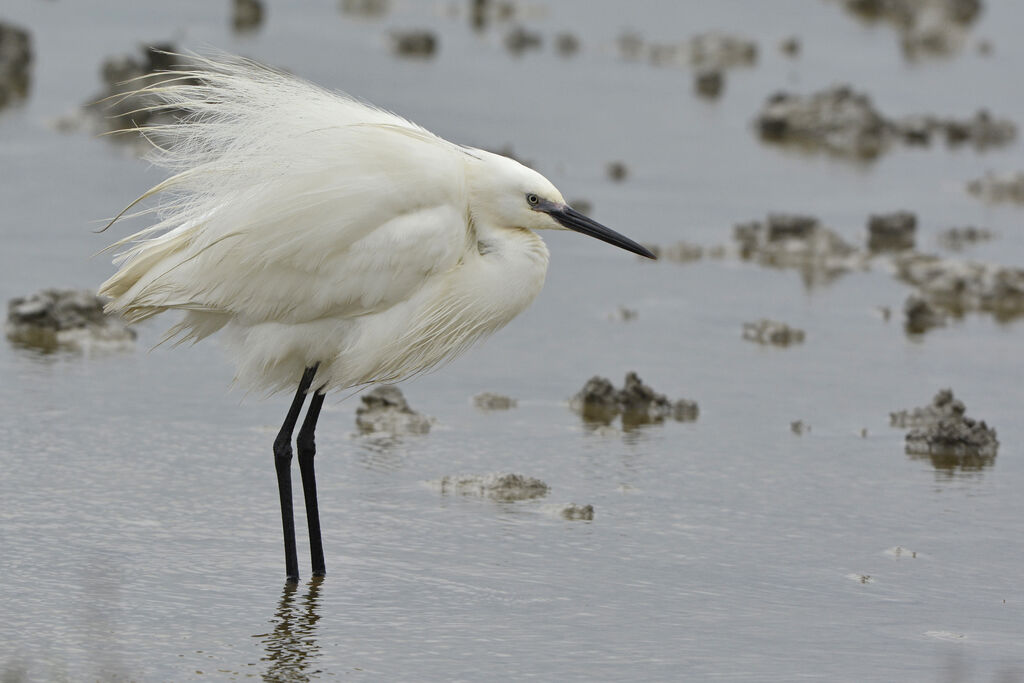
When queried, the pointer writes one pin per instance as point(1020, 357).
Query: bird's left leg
point(306, 447)
point(282, 463)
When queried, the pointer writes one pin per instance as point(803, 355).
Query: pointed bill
point(574, 220)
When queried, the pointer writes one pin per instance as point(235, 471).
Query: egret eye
point(533, 199)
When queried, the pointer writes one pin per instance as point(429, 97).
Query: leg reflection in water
point(291, 647)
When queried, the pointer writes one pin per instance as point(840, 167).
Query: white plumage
point(333, 243)
point(314, 228)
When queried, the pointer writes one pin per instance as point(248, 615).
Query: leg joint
point(305, 440)
point(306, 444)
point(282, 449)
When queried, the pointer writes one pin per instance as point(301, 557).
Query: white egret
point(333, 243)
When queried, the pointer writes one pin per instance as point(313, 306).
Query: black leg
point(283, 462)
point(307, 449)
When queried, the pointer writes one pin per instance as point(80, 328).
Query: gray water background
point(139, 528)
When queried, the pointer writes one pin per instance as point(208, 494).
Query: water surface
point(139, 529)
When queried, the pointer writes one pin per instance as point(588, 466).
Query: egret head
point(506, 194)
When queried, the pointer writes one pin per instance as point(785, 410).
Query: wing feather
point(290, 203)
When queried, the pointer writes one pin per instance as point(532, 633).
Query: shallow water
point(139, 529)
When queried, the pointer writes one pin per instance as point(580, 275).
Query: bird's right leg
point(307, 450)
point(283, 462)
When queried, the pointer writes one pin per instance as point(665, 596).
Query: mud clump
point(960, 286)
point(503, 487)
point(920, 315)
point(891, 231)
point(567, 44)
point(966, 442)
point(385, 410)
point(574, 512)
point(15, 63)
point(926, 27)
point(599, 402)
point(982, 130)
point(837, 119)
point(519, 39)
point(415, 44)
point(716, 50)
point(483, 13)
point(638, 399)
point(790, 46)
point(958, 239)
point(623, 314)
point(993, 188)
point(781, 240)
point(800, 242)
point(617, 170)
point(943, 406)
point(942, 432)
point(246, 15)
point(709, 82)
point(64, 318)
point(712, 50)
point(846, 123)
point(488, 401)
point(821, 255)
point(772, 332)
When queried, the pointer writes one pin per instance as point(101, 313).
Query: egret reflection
point(292, 652)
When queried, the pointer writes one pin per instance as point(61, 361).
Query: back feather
point(289, 204)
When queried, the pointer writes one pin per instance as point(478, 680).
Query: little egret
point(333, 243)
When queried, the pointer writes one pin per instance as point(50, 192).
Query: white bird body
point(335, 233)
point(335, 244)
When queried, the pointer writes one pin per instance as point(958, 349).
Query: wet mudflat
point(139, 529)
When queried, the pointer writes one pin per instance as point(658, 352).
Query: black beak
point(574, 220)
